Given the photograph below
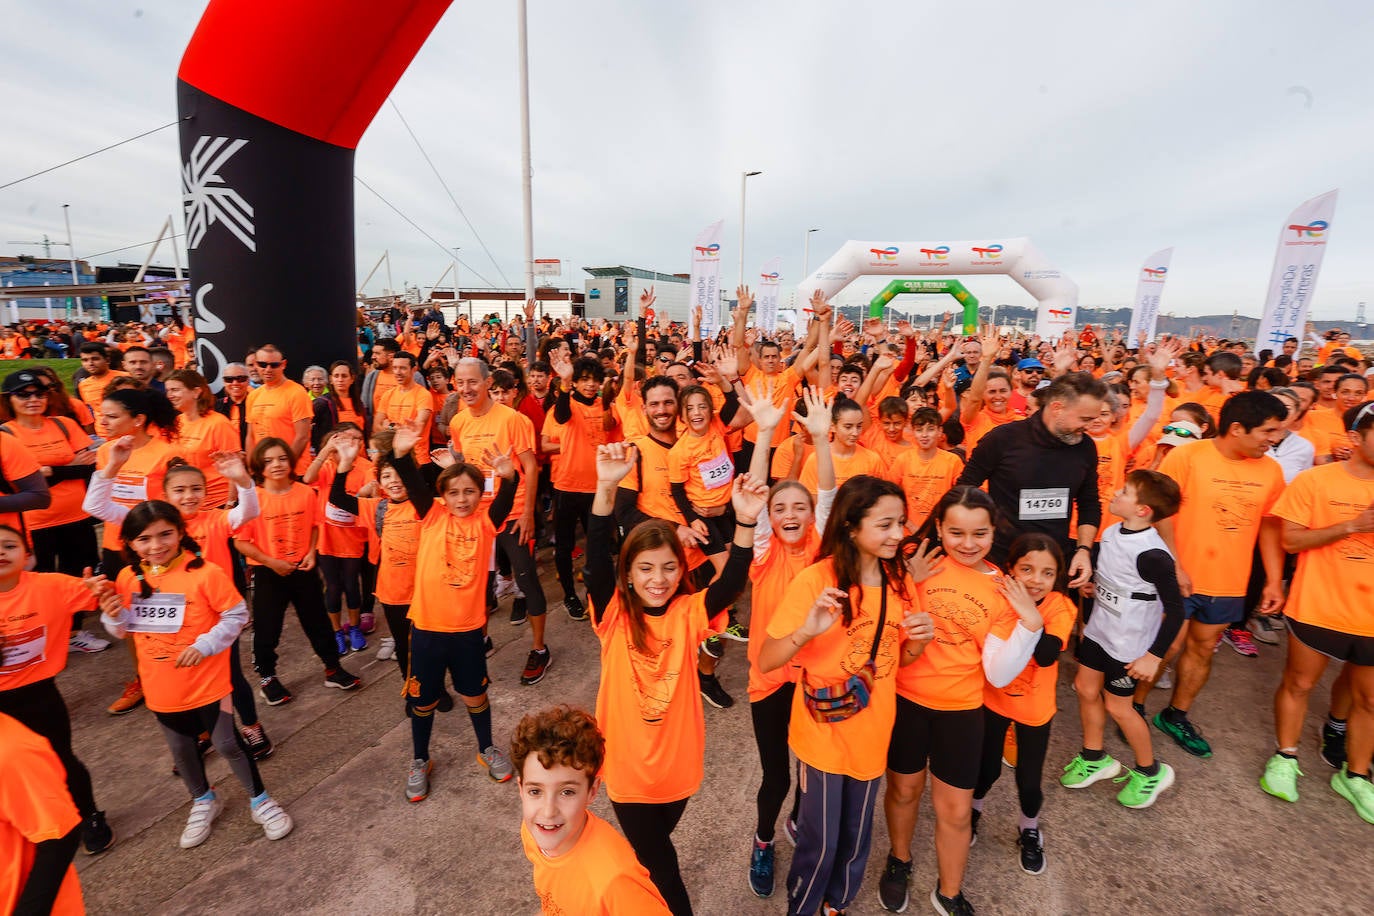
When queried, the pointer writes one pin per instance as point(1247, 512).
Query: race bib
point(130, 490)
point(160, 613)
point(1050, 502)
point(1109, 598)
point(718, 472)
point(23, 650)
point(336, 516)
point(489, 484)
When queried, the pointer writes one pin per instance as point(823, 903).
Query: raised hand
point(817, 419)
point(646, 302)
point(727, 364)
point(749, 496)
point(614, 462)
point(745, 297)
point(825, 610)
point(500, 462)
point(759, 402)
point(404, 438)
point(906, 330)
point(820, 307)
point(529, 307)
point(843, 328)
point(231, 467)
point(562, 366)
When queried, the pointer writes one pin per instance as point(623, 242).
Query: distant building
point(24, 270)
point(613, 293)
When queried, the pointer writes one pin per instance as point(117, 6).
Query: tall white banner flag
point(770, 281)
point(1148, 288)
point(706, 279)
point(1302, 243)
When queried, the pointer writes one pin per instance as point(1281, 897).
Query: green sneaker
point(1141, 790)
point(1359, 792)
point(1185, 734)
point(736, 631)
point(1280, 777)
point(1081, 773)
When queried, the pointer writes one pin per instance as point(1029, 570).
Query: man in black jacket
point(1039, 468)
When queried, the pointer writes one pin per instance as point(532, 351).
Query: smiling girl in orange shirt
point(650, 625)
point(986, 628)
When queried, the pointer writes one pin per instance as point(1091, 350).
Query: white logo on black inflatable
point(206, 197)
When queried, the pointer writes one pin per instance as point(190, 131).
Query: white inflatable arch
point(1056, 294)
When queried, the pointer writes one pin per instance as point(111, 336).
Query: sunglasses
point(231, 379)
point(664, 359)
point(29, 394)
point(1355, 425)
point(272, 365)
point(1180, 431)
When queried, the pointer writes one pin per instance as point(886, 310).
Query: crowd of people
point(925, 525)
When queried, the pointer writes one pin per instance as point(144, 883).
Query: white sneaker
point(504, 586)
point(386, 648)
point(276, 823)
point(203, 814)
point(82, 641)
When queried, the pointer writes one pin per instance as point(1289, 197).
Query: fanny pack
point(852, 695)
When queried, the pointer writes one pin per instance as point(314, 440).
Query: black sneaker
point(342, 680)
point(713, 692)
point(518, 612)
point(894, 886)
point(488, 646)
point(973, 835)
point(713, 647)
point(950, 906)
point(259, 745)
point(273, 691)
point(96, 835)
point(1333, 747)
point(574, 608)
point(539, 662)
point(1032, 851)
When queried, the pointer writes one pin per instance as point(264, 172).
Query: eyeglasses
point(231, 379)
point(1181, 431)
point(272, 365)
point(29, 394)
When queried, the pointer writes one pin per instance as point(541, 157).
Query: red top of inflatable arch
point(319, 67)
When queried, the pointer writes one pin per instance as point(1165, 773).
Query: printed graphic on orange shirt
point(860, 636)
point(654, 684)
point(1233, 512)
point(1021, 687)
point(460, 557)
point(550, 906)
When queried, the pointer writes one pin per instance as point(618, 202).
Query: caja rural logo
point(1154, 273)
point(885, 254)
point(708, 251)
point(938, 253)
point(1313, 230)
point(988, 252)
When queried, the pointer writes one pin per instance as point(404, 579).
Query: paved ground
point(1213, 844)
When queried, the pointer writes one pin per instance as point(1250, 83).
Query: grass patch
point(65, 368)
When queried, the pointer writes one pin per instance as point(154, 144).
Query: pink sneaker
point(367, 623)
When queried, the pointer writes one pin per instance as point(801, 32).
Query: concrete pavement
point(1215, 843)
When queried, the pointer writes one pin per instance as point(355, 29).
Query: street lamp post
point(806, 252)
point(71, 253)
point(743, 183)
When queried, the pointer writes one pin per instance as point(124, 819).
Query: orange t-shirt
point(1030, 699)
point(1320, 439)
point(965, 606)
point(15, 463)
point(401, 405)
point(650, 481)
point(275, 411)
point(451, 571)
point(1111, 474)
point(1329, 421)
point(210, 529)
point(35, 807)
point(179, 342)
point(140, 479)
point(35, 624)
point(208, 592)
point(92, 393)
point(876, 441)
point(924, 482)
point(575, 470)
point(1219, 522)
point(340, 533)
point(54, 444)
point(785, 384)
point(599, 876)
point(857, 746)
point(1334, 585)
point(1212, 399)
point(199, 439)
point(634, 423)
point(784, 454)
point(284, 524)
point(863, 461)
point(502, 428)
point(385, 382)
point(648, 704)
point(772, 574)
point(704, 466)
point(395, 548)
point(984, 422)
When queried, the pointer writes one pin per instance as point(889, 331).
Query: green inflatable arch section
point(942, 287)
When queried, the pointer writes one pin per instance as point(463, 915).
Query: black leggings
point(369, 586)
point(40, 707)
point(399, 623)
point(69, 548)
point(342, 576)
point(271, 595)
point(1032, 743)
point(569, 509)
point(520, 558)
point(649, 828)
point(771, 716)
point(244, 703)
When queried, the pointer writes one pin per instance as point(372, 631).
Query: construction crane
point(47, 244)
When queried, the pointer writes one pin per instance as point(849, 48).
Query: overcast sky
point(1102, 132)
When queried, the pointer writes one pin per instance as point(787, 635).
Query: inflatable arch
point(954, 288)
point(1056, 294)
point(273, 98)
